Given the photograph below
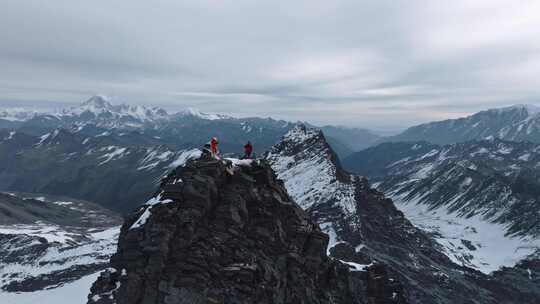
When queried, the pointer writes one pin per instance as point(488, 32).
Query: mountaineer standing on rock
point(213, 146)
point(248, 149)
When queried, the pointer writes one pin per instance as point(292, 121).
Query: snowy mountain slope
point(515, 123)
point(478, 199)
point(75, 292)
point(470, 241)
point(378, 233)
point(307, 164)
point(51, 242)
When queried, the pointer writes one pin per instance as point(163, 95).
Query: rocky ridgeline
point(230, 232)
point(222, 233)
point(365, 227)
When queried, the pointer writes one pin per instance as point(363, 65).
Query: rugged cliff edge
point(217, 232)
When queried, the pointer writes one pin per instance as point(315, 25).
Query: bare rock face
point(222, 233)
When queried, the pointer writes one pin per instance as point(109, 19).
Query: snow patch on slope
point(112, 153)
point(64, 250)
point(73, 293)
point(141, 221)
point(197, 113)
point(153, 158)
point(184, 157)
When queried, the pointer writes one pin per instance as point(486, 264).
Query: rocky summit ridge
point(222, 232)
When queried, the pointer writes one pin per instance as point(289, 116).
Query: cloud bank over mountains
point(384, 64)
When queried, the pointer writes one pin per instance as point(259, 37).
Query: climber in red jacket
point(213, 146)
point(248, 149)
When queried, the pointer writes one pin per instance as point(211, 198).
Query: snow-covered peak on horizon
point(519, 122)
point(530, 108)
point(194, 112)
point(100, 104)
point(103, 106)
point(18, 114)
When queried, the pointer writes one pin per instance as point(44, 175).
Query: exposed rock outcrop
point(222, 233)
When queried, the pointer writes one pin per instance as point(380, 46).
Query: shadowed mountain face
point(494, 178)
point(108, 169)
point(366, 227)
point(221, 233)
point(479, 199)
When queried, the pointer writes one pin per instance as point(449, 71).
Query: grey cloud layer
point(381, 64)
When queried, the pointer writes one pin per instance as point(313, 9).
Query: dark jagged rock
point(210, 236)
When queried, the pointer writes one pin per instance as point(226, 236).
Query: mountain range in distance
point(52, 152)
point(188, 127)
point(432, 220)
point(514, 123)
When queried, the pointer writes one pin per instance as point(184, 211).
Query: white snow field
point(492, 248)
point(73, 293)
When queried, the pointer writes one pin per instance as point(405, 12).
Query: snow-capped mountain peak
point(193, 112)
point(97, 102)
point(532, 110)
point(515, 123)
point(311, 170)
point(301, 133)
point(17, 114)
point(99, 105)
point(529, 110)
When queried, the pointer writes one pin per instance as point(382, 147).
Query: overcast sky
point(378, 64)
